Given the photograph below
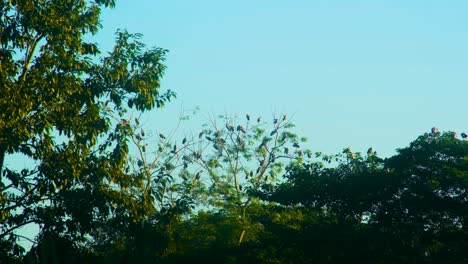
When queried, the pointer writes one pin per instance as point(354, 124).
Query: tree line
point(100, 188)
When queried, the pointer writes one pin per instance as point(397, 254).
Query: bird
point(434, 130)
point(175, 148)
point(162, 136)
point(124, 122)
point(229, 127)
point(184, 141)
point(286, 151)
point(197, 177)
point(247, 116)
point(241, 128)
point(285, 117)
point(370, 151)
point(142, 132)
point(259, 119)
point(200, 135)
point(140, 163)
point(275, 120)
point(464, 135)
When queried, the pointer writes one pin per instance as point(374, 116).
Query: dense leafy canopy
point(60, 102)
point(100, 188)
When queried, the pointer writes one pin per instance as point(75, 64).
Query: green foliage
point(411, 207)
point(60, 106)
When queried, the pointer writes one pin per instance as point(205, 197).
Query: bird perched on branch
point(241, 128)
point(464, 135)
point(434, 130)
point(229, 127)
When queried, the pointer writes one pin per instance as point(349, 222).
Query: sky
point(351, 73)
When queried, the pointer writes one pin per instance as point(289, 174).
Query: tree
point(64, 108)
point(239, 160)
point(411, 207)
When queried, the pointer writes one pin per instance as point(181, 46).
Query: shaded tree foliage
point(63, 110)
point(412, 207)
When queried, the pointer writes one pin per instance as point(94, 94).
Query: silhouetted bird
point(370, 151)
point(248, 117)
point(162, 136)
point(259, 119)
point(464, 135)
point(200, 135)
point(138, 137)
point(241, 128)
point(229, 127)
point(184, 141)
point(142, 132)
point(285, 117)
point(275, 120)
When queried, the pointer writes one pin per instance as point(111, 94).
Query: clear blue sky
point(355, 73)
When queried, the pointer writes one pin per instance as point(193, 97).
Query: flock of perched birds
point(463, 134)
